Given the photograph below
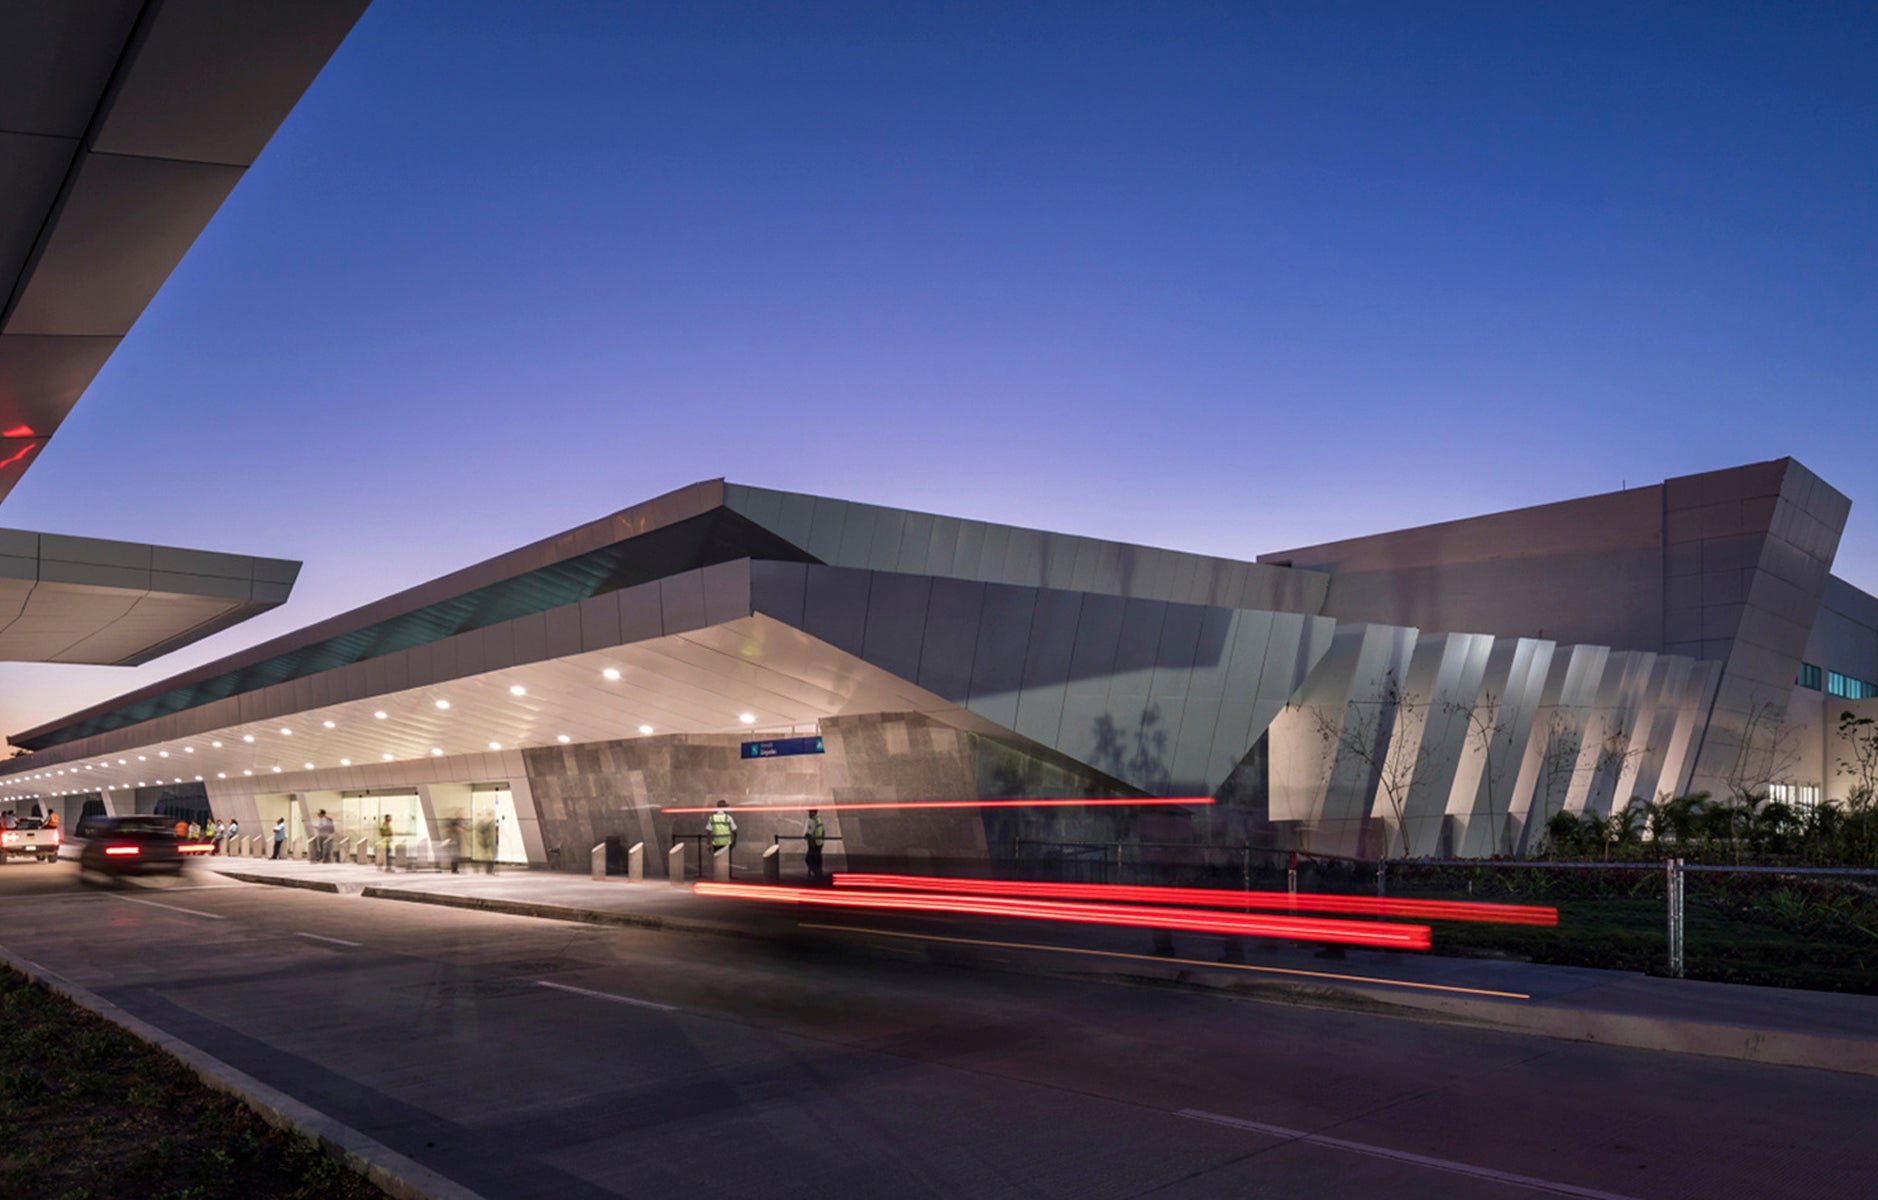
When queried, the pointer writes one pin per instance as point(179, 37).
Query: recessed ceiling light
point(563, 738)
point(244, 773)
point(443, 704)
point(247, 737)
point(611, 673)
point(87, 766)
point(309, 766)
point(516, 689)
point(120, 762)
point(221, 774)
point(435, 752)
point(747, 718)
point(380, 714)
point(217, 745)
point(387, 758)
point(140, 758)
point(286, 733)
point(276, 770)
point(198, 778)
point(330, 724)
point(495, 745)
point(163, 753)
point(189, 749)
point(645, 729)
point(345, 762)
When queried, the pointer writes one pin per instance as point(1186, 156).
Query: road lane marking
point(1403, 1156)
point(320, 937)
point(194, 912)
point(1187, 962)
point(581, 991)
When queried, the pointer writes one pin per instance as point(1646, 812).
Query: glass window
point(1837, 684)
point(1809, 676)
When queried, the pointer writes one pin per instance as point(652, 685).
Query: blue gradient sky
point(1227, 278)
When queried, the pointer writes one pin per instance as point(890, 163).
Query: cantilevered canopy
point(124, 124)
point(86, 600)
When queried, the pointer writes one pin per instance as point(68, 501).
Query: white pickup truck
point(27, 837)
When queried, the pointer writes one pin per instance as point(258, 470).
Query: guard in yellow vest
point(722, 827)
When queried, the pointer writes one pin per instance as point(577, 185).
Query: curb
point(1772, 1047)
point(390, 1171)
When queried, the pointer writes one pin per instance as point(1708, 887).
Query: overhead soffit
point(124, 124)
point(701, 682)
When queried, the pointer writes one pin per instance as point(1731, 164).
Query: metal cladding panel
point(954, 625)
point(1005, 633)
point(856, 547)
point(779, 590)
point(968, 554)
point(886, 545)
point(896, 622)
point(726, 591)
point(599, 622)
point(835, 607)
point(828, 520)
point(916, 535)
point(1047, 664)
point(681, 602)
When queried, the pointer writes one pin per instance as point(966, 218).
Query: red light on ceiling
point(22, 452)
point(1440, 910)
point(1313, 929)
point(863, 805)
point(18, 431)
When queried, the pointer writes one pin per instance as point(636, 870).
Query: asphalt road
point(526, 1058)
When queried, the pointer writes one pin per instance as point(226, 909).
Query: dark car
point(125, 845)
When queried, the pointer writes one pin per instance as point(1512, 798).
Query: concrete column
point(596, 861)
point(675, 865)
point(636, 863)
point(720, 865)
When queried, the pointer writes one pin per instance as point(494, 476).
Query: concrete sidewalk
point(1822, 1030)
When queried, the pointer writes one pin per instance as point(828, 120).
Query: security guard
point(814, 833)
point(722, 827)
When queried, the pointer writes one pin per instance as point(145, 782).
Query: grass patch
point(91, 1113)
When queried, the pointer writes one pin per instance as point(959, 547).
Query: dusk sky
point(1225, 278)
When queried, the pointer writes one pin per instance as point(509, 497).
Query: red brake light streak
point(1089, 802)
point(1317, 929)
point(121, 851)
point(1448, 910)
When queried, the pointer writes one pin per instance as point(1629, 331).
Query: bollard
point(675, 865)
point(596, 861)
point(636, 863)
point(382, 859)
point(401, 856)
point(772, 864)
point(720, 865)
point(364, 856)
point(345, 849)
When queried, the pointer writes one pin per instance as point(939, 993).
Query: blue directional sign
point(782, 747)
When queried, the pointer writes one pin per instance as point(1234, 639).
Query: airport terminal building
point(1434, 691)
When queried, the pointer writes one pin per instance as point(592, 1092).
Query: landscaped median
point(90, 1112)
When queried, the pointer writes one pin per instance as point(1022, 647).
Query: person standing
point(723, 829)
point(234, 835)
point(215, 837)
point(323, 832)
point(280, 836)
point(814, 833)
point(384, 843)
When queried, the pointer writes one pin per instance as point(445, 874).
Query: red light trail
point(1440, 910)
point(857, 806)
point(1315, 929)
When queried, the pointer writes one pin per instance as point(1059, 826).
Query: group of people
point(722, 828)
point(221, 834)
